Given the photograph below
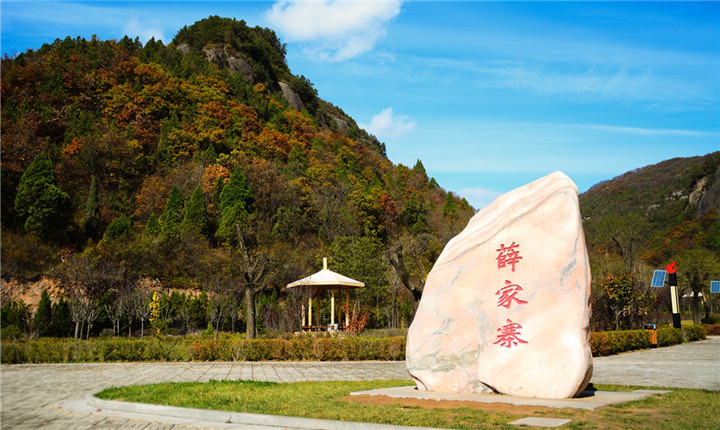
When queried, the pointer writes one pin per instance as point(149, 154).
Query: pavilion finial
point(324, 263)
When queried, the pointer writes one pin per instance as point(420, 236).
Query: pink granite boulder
point(506, 306)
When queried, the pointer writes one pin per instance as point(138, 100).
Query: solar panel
point(658, 279)
point(715, 287)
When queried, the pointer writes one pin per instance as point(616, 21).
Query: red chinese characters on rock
point(509, 333)
point(508, 256)
point(508, 294)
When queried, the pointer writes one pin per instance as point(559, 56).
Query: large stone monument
point(506, 306)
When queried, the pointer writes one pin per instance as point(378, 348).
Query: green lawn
point(681, 409)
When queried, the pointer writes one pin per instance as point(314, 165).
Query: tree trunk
point(142, 328)
point(706, 306)
point(696, 307)
point(77, 326)
point(249, 313)
point(129, 327)
point(617, 321)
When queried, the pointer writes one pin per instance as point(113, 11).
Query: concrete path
point(691, 365)
point(32, 395)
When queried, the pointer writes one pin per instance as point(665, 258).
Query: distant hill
point(665, 199)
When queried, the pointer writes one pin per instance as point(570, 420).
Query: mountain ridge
point(206, 165)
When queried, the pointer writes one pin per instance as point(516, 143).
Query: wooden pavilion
point(322, 281)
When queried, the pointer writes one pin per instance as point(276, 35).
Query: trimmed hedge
point(67, 350)
point(227, 348)
point(615, 342)
point(694, 332)
point(235, 348)
point(667, 336)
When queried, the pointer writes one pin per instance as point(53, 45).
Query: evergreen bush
point(694, 332)
point(236, 348)
point(667, 336)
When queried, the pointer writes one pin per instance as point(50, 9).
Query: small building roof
point(327, 280)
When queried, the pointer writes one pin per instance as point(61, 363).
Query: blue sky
point(489, 95)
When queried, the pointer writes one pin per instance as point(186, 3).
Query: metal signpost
point(658, 281)
point(674, 297)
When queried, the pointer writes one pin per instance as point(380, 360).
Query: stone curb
point(228, 418)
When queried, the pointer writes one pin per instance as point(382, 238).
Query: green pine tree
point(153, 226)
point(237, 190)
point(209, 155)
point(414, 215)
point(450, 207)
point(120, 228)
point(236, 202)
point(172, 215)
point(231, 216)
point(196, 217)
point(39, 200)
point(62, 324)
point(419, 168)
point(43, 316)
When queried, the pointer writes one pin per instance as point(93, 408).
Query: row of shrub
point(194, 348)
point(615, 342)
point(235, 348)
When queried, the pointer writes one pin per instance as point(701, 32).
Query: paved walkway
point(32, 394)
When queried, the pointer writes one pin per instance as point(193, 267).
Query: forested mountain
point(204, 165)
point(645, 219)
point(204, 170)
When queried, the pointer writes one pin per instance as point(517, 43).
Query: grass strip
point(681, 409)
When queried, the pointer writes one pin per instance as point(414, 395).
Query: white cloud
point(649, 132)
point(336, 30)
point(387, 125)
point(479, 197)
point(144, 31)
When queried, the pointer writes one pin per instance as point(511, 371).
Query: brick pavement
point(32, 394)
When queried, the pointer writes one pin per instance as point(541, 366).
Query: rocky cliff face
point(292, 97)
point(708, 196)
point(226, 60)
point(236, 64)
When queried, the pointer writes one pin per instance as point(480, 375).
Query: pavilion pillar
point(332, 307)
point(310, 310)
point(347, 307)
point(302, 323)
